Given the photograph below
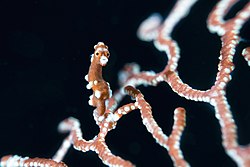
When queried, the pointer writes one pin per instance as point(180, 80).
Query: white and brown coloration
point(229, 32)
point(172, 142)
point(107, 113)
point(246, 54)
point(17, 161)
point(98, 144)
point(101, 89)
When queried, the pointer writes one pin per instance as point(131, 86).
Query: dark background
point(44, 56)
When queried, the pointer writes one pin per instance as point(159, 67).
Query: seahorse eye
point(108, 54)
point(97, 53)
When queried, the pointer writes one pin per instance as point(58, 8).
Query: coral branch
point(97, 144)
point(246, 55)
point(17, 161)
point(107, 111)
point(175, 136)
point(171, 143)
point(229, 32)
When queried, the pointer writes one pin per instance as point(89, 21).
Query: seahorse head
point(101, 53)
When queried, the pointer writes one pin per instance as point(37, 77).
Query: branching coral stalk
point(109, 118)
point(107, 121)
point(17, 161)
point(229, 32)
point(246, 54)
point(171, 143)
point(107, 113)
point(97, 144)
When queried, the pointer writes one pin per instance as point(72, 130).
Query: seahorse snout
point(103, 60)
